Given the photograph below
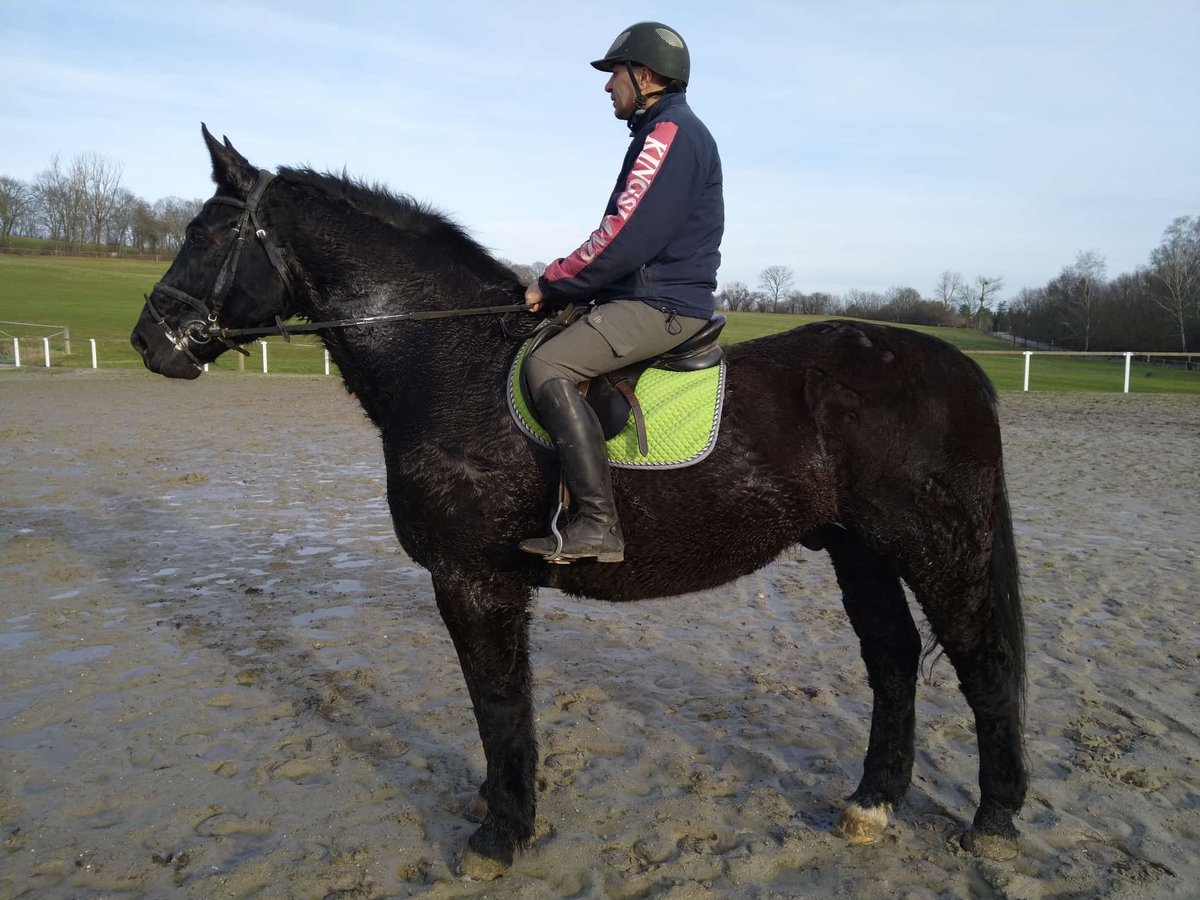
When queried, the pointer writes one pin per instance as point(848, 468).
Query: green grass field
point(101, 298)
point(744, 326)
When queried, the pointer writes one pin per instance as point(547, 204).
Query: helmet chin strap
point(639, 99)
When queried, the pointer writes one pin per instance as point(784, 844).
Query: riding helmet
point(654, 45)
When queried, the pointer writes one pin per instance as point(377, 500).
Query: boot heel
point(612, 556)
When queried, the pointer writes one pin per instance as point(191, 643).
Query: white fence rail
point(1028, 354)
point(56, 331)
point(45, 341)
point(1058, 354)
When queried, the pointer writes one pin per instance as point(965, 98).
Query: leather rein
point(202, 330)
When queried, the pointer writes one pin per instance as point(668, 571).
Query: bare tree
point(1085, 280)
point(60, 203)
point(863, 304)
point(903, 302)
point(950, 289)
point(174, 213)
point(148, 233)
point(99, 179)
point(735, 297)
point(907, 306)
point(814, 304)
point(17, 205)
point(121, 221)
point(1175, 267)
point(774, 282)
point(527, 273)
point(1131, 318)
point(981, 297)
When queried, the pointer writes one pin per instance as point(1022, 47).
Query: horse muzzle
point(166, 353)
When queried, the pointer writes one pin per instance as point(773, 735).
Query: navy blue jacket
point(660, 237)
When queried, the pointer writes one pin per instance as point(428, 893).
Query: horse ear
point(231, 170)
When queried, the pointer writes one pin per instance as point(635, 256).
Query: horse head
point(229, 273)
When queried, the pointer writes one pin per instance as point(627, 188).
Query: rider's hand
point(534, 298)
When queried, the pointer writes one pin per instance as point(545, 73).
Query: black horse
point(878, 445)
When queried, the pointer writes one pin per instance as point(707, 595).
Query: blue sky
point(865, 144)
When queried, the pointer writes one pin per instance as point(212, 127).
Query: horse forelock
point(409, 216)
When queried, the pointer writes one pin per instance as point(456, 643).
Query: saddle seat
point(613, 396)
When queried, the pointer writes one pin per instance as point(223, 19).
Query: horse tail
point(1003, 579)
point(1004, 589)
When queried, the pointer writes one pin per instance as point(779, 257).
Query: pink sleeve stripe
point(637, 182)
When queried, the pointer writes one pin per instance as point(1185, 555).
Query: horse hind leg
point(976, 617)
point(891, 646)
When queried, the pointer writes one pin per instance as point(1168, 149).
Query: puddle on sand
point(333, 612)
point(344, 586)
point(74, 655)
point(12, 640)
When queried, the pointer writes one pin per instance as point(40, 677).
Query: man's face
point(624, 97)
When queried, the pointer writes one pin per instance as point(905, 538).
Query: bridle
point(204, 329)
point(207, 328)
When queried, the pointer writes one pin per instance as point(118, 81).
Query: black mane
point(411, 217)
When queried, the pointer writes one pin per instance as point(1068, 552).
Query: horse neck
point(399, 369)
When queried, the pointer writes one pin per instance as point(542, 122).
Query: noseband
point(204, 329)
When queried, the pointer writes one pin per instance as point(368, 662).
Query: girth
point(613, 396)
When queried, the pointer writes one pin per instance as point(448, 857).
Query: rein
point(421, 315)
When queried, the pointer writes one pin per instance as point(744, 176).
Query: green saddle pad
point(682, 412)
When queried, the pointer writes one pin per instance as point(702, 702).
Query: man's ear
point(649, 80)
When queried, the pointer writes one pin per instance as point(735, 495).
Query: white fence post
point(92, 341)
point(264, 346)
point(326, 362)
point(1028, 356)
point(46, 348)
point(16, 353)
point(1128, 361)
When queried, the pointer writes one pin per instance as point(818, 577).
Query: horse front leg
point(891, 646)
point(489, 625)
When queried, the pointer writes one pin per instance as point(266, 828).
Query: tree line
point(82, 206)
point(1156, 307)
point(954, 302)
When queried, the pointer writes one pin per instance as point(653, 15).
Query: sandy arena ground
point(223, 678)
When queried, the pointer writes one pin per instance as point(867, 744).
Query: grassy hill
point(744, 326)
point(101, 298)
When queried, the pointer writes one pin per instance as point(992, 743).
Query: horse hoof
point(989, 846)
point(863, 824)
point(488, 855)
point(476, 810)
point(478, 867)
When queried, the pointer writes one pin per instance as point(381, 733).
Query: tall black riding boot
point(594, 530)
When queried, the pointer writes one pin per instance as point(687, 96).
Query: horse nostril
point(139, 343)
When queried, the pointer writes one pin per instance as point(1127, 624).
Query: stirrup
point(551, 548)
point(555, 557)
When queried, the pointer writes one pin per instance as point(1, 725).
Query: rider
point(650, 268)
